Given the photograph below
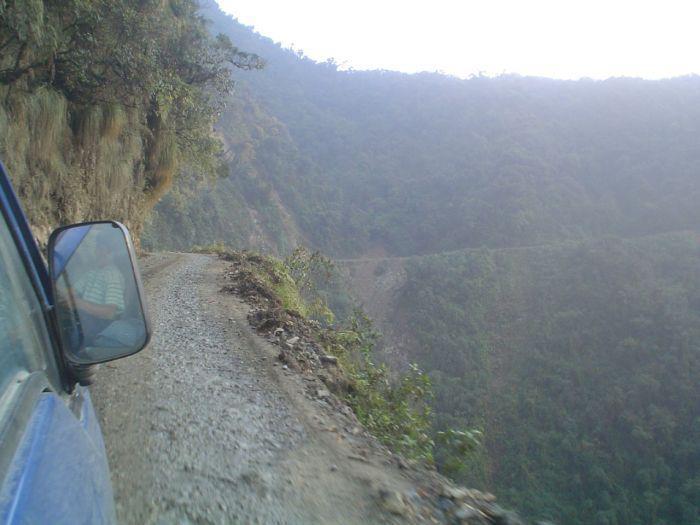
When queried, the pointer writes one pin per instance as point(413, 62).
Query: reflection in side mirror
point(99, 300)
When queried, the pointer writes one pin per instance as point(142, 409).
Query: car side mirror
point(98, 295)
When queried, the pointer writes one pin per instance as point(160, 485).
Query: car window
point(23, 337)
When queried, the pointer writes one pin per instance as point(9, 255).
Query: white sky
point(560, 39)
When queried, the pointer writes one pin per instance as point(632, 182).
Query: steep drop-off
point(579, 362)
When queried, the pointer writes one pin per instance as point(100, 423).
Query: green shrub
point(393, 407)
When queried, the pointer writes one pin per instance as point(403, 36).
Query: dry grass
point(96, 171)
point(162, 166)
point(114, 122)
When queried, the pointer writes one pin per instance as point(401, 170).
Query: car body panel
point(55, 466)
point(59, 473)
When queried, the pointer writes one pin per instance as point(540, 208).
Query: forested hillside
point(580, 364)
point(549, 282)
point(426, 163)
point(101, 104)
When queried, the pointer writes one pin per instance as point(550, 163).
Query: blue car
point(58, 320)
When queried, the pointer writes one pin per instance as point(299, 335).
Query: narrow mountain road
point(204, 426)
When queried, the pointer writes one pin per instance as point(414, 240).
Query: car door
point(52, 461)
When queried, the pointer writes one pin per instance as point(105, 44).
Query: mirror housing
point(100, 309)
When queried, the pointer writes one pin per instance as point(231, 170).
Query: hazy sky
point(561, 39)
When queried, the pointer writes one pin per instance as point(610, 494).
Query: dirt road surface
point(205, 426)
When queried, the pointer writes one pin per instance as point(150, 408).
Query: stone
point(467, 514)
point(401, 462)
point(329, 359)
point(487, 496)
point(322, 393)
point(445, 504)
point(392, 502)
point(499, 516)
point(292, 341)
point(456, 493)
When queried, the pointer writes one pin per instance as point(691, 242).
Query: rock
point(500, 516)
point(278, 331)
point(456, 493)
point(445, 504)
point(392, 501)
point(329, 359)
point(334, 468)
point(401, 462)
point(322, 393)
point(487, 496)
point(469, 515)
point(292, 341)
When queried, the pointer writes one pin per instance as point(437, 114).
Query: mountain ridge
point(542, 236)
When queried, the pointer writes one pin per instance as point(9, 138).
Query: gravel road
point(204, 426)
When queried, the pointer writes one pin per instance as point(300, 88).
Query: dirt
point(207, 426)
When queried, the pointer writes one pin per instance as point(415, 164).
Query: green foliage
point(310, 271)
point(243, 209)
point(456, 450)
point(418, 164)
point(103, 100)
point(285, 287)
point(396, 410)
point(351, 161)
point(574, 352)
point(579, 363)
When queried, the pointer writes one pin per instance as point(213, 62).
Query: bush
point(394, 408)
